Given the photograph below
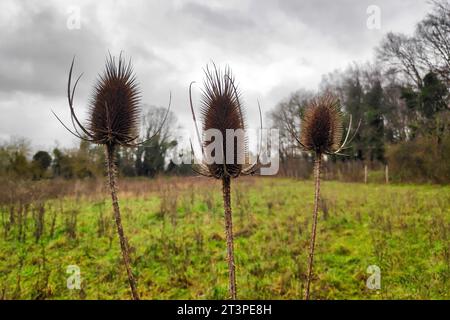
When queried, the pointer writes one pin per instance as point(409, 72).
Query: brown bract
point(114, 111)
point(221, 110)
point(321, 129)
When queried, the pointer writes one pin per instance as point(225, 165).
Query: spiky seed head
point(115, 110)
point(221, 110)
point(321, 129)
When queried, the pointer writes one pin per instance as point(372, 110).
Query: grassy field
point(176, 233)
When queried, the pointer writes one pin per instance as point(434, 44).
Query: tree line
point(87, 160)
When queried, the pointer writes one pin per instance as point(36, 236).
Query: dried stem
point(111, 167)
point(226, 182)
point(317, 169)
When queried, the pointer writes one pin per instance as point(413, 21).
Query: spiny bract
point(221, 110)
point(321, 129)
point(115, 105)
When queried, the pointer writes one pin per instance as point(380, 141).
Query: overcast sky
point(273, 48)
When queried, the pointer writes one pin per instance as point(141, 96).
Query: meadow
point(176, 235)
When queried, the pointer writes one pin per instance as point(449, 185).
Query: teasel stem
point(317, 169)
point(112, 179)
point(226, 183)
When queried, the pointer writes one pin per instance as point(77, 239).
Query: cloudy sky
point(273, 47)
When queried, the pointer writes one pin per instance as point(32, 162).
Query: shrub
point(424, 159)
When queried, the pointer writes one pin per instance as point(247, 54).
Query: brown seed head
point(321, 129)
point(115, 105)
point(221, 110)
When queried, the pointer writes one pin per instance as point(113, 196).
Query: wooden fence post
point(365, 173)
point(386, 173)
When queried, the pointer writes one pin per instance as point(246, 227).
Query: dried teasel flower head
point(114, 112)
point(221, 110)
point(321, 129)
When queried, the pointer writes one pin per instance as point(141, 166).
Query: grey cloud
point(222, 20)
point(343, 23)
point(37, 53)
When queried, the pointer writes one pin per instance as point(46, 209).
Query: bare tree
point(400, 53)
point(434, 33)
point(153, 120)
point(162, 126)
point(287, 115)
point(427, 50)
point(398, 116)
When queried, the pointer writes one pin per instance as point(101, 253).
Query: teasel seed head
point(114, 110)
point(221, 110)
point(321, 129)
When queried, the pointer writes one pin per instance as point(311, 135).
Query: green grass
point(178, 247)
